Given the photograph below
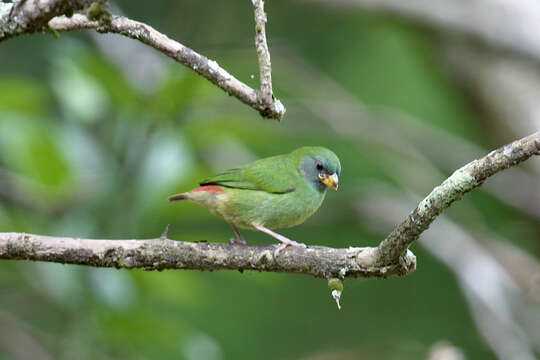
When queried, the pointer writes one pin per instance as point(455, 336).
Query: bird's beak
point(331, 181)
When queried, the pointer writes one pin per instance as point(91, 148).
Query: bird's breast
point(246, 207)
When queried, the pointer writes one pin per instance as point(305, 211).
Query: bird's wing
point(273, 175)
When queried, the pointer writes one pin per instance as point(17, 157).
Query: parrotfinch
point(271, 193)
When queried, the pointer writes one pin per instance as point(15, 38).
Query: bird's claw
point(278, 250)
point(233, 241)
point(283, 245)
point(284, 241)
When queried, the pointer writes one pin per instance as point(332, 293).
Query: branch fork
point(28, 16)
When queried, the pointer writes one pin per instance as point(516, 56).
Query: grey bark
point(263, 54)
point(160, 254)
point(30, 16)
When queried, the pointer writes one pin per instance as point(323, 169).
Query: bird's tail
point(177, 197)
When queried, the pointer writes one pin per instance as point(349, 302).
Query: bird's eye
point(319, 166)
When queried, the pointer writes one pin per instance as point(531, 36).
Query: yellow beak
point(331, 181)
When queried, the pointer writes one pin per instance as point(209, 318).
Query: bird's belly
point(274, 211)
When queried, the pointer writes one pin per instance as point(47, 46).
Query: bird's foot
point(287, 242)
point(284, 241)
point(239, 241)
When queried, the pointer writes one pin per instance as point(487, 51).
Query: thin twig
point(184, 55)
point(263, 54)
point(160, 253)
point(461, 182)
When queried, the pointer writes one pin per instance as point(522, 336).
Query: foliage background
point(96, 131)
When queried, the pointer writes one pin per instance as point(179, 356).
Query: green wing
point(274, 175)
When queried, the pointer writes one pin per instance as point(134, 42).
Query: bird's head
point(319, 166)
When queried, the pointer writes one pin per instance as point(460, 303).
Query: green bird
point(271, 193)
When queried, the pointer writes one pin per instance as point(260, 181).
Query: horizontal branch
point(461, 182)
point(159, 254)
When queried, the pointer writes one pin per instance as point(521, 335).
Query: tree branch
point(263, 54)
point(41, 15)
point(461, 182)
point(28, 16)
point(159, 254)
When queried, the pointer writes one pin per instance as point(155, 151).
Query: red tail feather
point(209, 188)
point(214, 189)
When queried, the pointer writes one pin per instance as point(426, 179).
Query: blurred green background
point(96, 130)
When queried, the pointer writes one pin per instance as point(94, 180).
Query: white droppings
point(343, 271)
point(384, 270)
point(408, 261)
point(5, 8)
point(279, 109)
point(252, 76)
point(336, 294)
